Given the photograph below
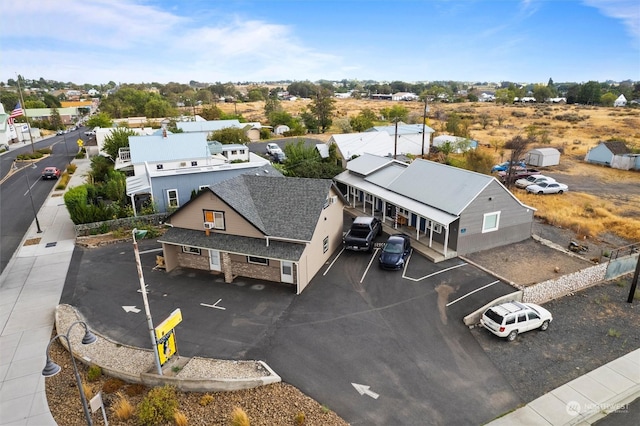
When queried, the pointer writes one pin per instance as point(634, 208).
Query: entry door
point(214, 260)
point(286, 272)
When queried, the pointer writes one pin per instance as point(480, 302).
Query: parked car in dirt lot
point(395, 252)
point(533, 180)
point(504, 166)
point(548, 188)
point(512, 318)
point(51, 173)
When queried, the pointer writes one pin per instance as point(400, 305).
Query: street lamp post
point(51, 368)
point(64, 138)
point(143, 290)
point(33, 206)
point(424, 121)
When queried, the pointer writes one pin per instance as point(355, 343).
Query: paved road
point(352, 325)
point(16, 211)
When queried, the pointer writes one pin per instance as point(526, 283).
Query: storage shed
point(542, 157)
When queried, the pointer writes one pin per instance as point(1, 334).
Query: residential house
point(451, 210)
point(168, 168)
point(378, 141)
point(269, 228)
point(252, 130)
point(614, 154)
point(621, 101)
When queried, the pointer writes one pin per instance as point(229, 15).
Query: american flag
point(17, 112)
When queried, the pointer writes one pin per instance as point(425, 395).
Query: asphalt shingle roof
point(284, 207)
point(617, 147)
point(234, 244)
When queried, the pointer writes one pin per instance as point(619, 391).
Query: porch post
point(446, 239)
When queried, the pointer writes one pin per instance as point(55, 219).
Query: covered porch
point(428, 227)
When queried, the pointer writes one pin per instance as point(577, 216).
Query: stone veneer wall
point(193, 261)
point(552, 289)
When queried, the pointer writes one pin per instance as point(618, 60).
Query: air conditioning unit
point(208, 225)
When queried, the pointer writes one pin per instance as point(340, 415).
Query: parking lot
point(376, 346)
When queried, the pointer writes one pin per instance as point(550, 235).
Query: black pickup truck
point(362, 234)
point(518, 173)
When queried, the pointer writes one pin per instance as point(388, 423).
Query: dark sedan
point(395, 252)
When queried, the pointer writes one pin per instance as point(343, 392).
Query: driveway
point(371, 345)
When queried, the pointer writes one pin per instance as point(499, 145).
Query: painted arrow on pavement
point(131, 309)
point(364, 390)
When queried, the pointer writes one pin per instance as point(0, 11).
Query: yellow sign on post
point(80, 143)
point(166, 336)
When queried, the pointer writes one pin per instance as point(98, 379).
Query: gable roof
point(403, 129)
point(447, 188)
point(175, 147)
point(617, 147)
point(284, 207)
point(207, 126)
point(368, 163)
point(378, 143)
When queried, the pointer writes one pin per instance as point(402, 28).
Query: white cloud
point(627, 11)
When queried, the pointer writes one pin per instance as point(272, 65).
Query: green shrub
point(94, 373)
point(71, 168)
point(158, 406)
point(64, 181)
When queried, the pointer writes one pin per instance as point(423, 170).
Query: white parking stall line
point(334, 261)
point(433, 274)
point(470, 293)
point(375, 253)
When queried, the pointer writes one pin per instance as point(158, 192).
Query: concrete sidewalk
point(30, 289)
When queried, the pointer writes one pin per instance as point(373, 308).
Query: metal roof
point(208, 126)
point(367, 163)
point(175, 147)
point(403, 129)
point(417, 207)
point(448, 188)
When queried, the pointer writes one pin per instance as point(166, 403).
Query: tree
point(272, 105)
point(322, 107)
point(484, 119)
point(211, 113)
point(119, 138)
point(229, 135)
point(51, 101)
point(608, 99)
point(590, 93)
point(55, 120)
point(518, 146)
point(454, 124)
point(361, 122)
point(479, 161)
point(541, 93)
point(157, 108)
point(395, 113)
point(305, 161)
point(101, 119)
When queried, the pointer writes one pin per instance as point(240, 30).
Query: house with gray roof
point(451, 210)
point(252, 130)
point(269, 228)
point(614, 154)
point(168, 168)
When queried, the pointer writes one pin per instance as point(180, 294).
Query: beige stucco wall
point(329, 225)
point(193, 217)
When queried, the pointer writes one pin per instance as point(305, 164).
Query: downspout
point(267, 240)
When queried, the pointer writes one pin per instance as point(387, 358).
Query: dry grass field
point(604, 201)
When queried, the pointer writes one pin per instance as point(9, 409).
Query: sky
point(144, 41)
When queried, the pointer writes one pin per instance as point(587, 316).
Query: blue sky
point(97, 41)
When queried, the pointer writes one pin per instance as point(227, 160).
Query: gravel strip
point(205, 368)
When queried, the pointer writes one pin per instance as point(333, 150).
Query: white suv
point(509, 319)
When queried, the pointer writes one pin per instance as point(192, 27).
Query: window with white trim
point(490, 222)
point(325, 245)
point(215, 217)
point(194, 163)
point(257, 260)
point(201, 187)
point(172, 198)
point(159, 167)
point(190, 250)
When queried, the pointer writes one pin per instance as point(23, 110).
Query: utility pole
point(24, 108)
point(634, 282)
point(395, 145)
point(424, 120)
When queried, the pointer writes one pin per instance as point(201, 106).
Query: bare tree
point(518, 146)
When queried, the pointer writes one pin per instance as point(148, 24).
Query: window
point(190, 250)
point(491, 222)
point(325, 244)
point(533, 316)
point(242, 152)
point(257, 260)
point(194, 163)
point(234, 152)
point(522, 317)
point(201, 187)
point(172, 198)
point(159, 167)
point(510, 320)
point(217, 218)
